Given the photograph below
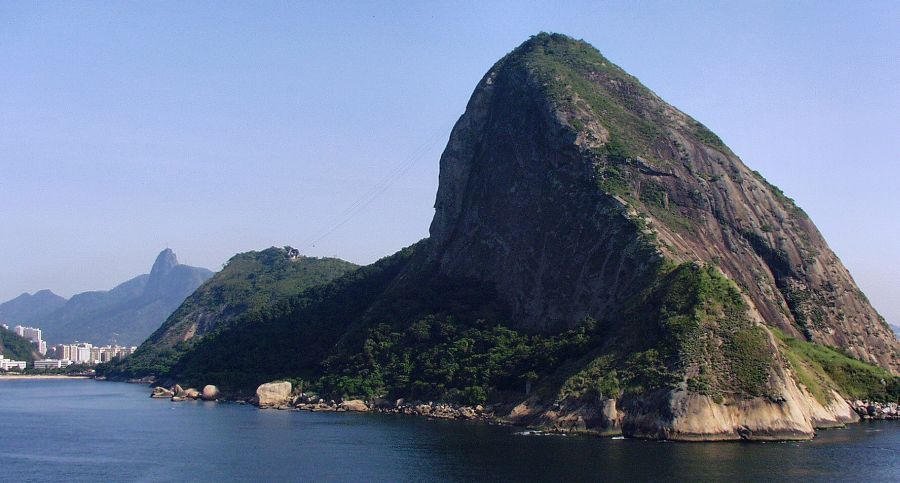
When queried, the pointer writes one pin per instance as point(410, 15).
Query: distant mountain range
point(126, 315)
point(27, 308)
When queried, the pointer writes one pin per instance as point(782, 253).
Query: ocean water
point(84, 430)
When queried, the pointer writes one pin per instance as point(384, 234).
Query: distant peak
point(164, 262)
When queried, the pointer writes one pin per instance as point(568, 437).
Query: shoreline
point(277, 397)
point(26, 377)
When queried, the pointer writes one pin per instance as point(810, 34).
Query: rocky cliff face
point(566, 182)
point(598, 261)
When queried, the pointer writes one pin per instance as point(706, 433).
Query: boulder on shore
point(191, 393)
point(354, 405)
point(178, 391)
point(161, 392)
point(273, 394)
point(210, 392)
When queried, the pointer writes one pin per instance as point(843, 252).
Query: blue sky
point(215, 128)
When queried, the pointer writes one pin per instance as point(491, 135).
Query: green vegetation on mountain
point(249, 287)
point(597, 259)
point(14, 347)
point(821, 368)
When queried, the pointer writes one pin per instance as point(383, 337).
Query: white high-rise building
point(33, 334)
point(85, 353)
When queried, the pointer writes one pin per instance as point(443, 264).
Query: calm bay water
point(83, 430)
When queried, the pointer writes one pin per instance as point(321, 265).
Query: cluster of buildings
point(86, 353)
point(11, 365)
point(63, 355)
point(33, 334)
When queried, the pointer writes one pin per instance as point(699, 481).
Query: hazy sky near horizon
point(216, 128)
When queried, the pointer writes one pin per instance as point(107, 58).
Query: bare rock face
point(161, 392)
point(566, 183)
point(274, 394)
point(355, 405)
point(574, 190)
point(210, 392)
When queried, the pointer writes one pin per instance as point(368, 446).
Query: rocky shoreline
point(282, 396)
point(876, 410)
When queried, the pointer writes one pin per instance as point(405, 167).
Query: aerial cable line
point(376, 190)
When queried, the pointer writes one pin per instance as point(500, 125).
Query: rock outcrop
point(273, 394)
point(210, 392)
point(355, 405)
point(161, 392)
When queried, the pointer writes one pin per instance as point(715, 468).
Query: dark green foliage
point(440, 358)
point(15, 347)
point(252, 280)
point(292, 337)
point(599, 379)
point(614, 180)
point(698, 321)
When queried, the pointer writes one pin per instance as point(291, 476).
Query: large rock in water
point(273, 394)
point(356, 405)
point(210, 392)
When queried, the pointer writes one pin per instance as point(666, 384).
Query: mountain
point(15, 347)
point(29, 309)
point(249, 284)
point(598, 261)
point(128, 313)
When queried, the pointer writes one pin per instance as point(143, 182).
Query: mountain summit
point(165, 262)
point(568, 184)
point(28, 309)
point(129, 312)
point(598, 261)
